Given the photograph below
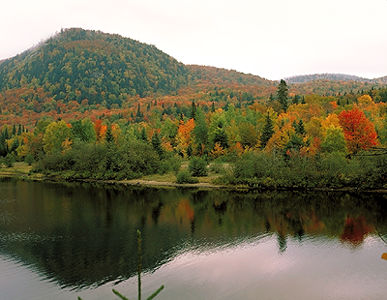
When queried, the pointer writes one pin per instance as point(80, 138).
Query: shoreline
point(139, 182)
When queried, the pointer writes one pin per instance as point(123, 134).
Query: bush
point(217, 167)
point(172, 163)
point(29, 159)
point(9, 160)
point(198, 167)
point(185, 177)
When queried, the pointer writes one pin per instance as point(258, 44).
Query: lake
point(61, 241)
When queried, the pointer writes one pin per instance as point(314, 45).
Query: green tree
point(156, 144)
point(334, 140)
point(267, 132)
point(193, 110)
point(198, 167)
point(109, 135)
point(83, 130)
point(200, 130)
point(282, 94)
point(299, 128)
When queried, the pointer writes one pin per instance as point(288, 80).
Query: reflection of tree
point(355, 230)
point(81, 235)
point(282, 242)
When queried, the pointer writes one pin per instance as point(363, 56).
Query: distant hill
point(381, 80)
point(79, 64)
point(220, 76)
point(326, 76)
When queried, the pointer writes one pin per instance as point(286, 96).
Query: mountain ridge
point(332, 77)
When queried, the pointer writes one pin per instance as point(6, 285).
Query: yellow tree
point(57, 137)
point(184, 136)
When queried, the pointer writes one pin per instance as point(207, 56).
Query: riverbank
point(22, 171)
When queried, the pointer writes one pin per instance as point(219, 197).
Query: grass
point(167, 177)
point(19, 168)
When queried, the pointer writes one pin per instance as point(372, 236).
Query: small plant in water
point(139, 270)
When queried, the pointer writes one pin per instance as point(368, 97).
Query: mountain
point(84, 73)
point(79, 64)
point(326, 76)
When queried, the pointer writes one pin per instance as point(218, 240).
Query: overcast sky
point(272, 38)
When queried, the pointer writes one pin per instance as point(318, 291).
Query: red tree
point(359, 132)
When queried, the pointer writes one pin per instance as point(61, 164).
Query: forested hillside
point(101, 68)
point(89, 74)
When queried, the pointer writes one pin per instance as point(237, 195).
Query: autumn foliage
point(359, 132)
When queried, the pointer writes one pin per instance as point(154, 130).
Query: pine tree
point(213, 107)
point(300, 128)
point(295, 99)
point(267, 132)
point(139, 115)
point(156, 143)
point(109, 136)
point(282, 94)
point(143, 135)
point(193, 110)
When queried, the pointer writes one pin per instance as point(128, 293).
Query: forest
point(281, 142)
point(90, 105)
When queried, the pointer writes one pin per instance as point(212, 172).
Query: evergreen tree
point(303, 100)
point(19, 130)
point(282, 94)
point(139, 115)
point(193, 110)
point(109, 135)
point(267, 132)
point(15, 144)
point(156, 143)
point(143, 135)
point(300, 129)
point(295, 125)
point(3, 146)
point(213, 107)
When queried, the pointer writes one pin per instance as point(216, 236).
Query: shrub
point(29, 159)
point(185, 177)
point(9, 160)
point(198, 167)
point(172, 163)
point(217, 167)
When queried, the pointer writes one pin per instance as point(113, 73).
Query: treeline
point(291, 141)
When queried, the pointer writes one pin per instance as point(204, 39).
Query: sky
point(273, 38)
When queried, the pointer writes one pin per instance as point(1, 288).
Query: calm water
point(63, 241)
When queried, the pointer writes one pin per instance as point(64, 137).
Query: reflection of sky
point(315, 269)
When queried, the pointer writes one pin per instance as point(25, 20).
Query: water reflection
point(84, 236)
